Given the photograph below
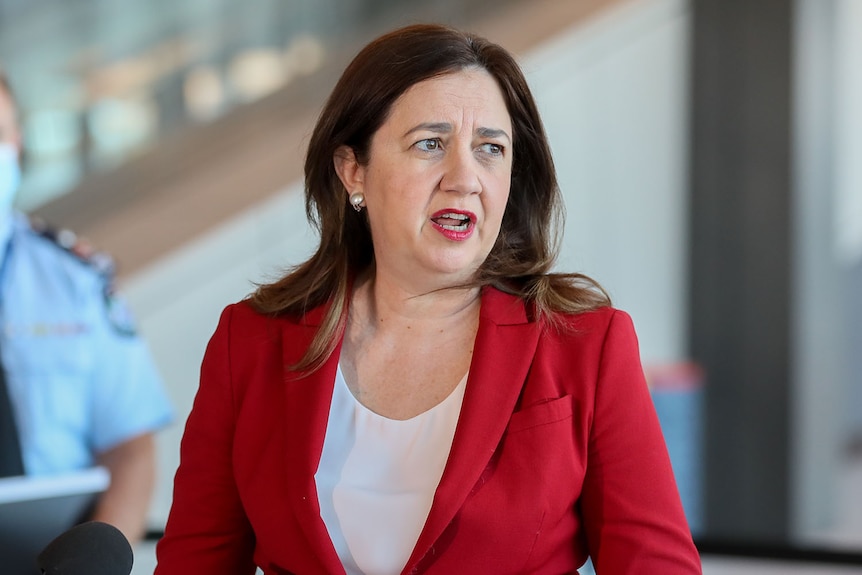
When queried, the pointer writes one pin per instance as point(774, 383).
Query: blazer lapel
point(503, 352)
point(306, 414)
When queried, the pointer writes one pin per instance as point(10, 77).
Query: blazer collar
point(504, 348)
point(503, 351)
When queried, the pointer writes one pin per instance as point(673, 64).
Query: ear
point(349, 170)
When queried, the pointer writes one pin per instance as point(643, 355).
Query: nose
point(461, 173)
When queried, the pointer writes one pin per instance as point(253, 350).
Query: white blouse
point(377, 477)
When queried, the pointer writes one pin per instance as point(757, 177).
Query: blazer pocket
point(549, 411)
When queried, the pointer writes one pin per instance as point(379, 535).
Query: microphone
point(91, 548)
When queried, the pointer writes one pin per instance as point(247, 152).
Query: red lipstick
point(456, 225)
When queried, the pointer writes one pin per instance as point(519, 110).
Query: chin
point(456, 268)
point(459, 275)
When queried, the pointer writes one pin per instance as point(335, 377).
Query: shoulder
point(63, 246)
point(248, 334)
point(590, 331)
point(508, 309)
point(73, 266)
point(245, 312)
point(243, 321)
point(596, 332)
point(241, 315)
point(247, 339)
point(598, 320)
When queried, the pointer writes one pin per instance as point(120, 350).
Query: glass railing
point(101, 81)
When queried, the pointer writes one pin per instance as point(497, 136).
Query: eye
point(492, 149)
point(429, 144)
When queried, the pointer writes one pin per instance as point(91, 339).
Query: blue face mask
point(10, 177)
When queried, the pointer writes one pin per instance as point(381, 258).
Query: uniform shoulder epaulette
point(100, 262)
point(79, 248)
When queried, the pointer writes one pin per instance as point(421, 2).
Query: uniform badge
point(119, 315)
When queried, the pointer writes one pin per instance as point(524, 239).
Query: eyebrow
point(493, 133)
point(446, 128)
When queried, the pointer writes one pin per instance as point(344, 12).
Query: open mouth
point(452, 221)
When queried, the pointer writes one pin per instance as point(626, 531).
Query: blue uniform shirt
point(80, 379)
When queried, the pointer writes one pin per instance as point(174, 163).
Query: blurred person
point(423, 394)
point(80, 383)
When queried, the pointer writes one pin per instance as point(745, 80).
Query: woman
point(422, 394)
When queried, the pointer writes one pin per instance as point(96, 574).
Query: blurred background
point(710, 154)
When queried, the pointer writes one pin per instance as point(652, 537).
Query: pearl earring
point(357, 199)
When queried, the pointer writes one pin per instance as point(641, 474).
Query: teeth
point(452, 216)
point(461, 228)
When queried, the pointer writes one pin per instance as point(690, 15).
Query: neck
point(379, 300)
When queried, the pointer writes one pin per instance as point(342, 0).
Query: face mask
point(10, 176)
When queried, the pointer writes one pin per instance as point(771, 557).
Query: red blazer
point(557, 455)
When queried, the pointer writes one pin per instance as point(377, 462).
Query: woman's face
point(437, 180)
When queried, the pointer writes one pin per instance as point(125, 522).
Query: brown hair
point(521, 259)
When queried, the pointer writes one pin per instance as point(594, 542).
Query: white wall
point(178, 302)
point(613, 97)
point(827, 227)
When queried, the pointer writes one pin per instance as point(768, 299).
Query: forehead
point(472, 91)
